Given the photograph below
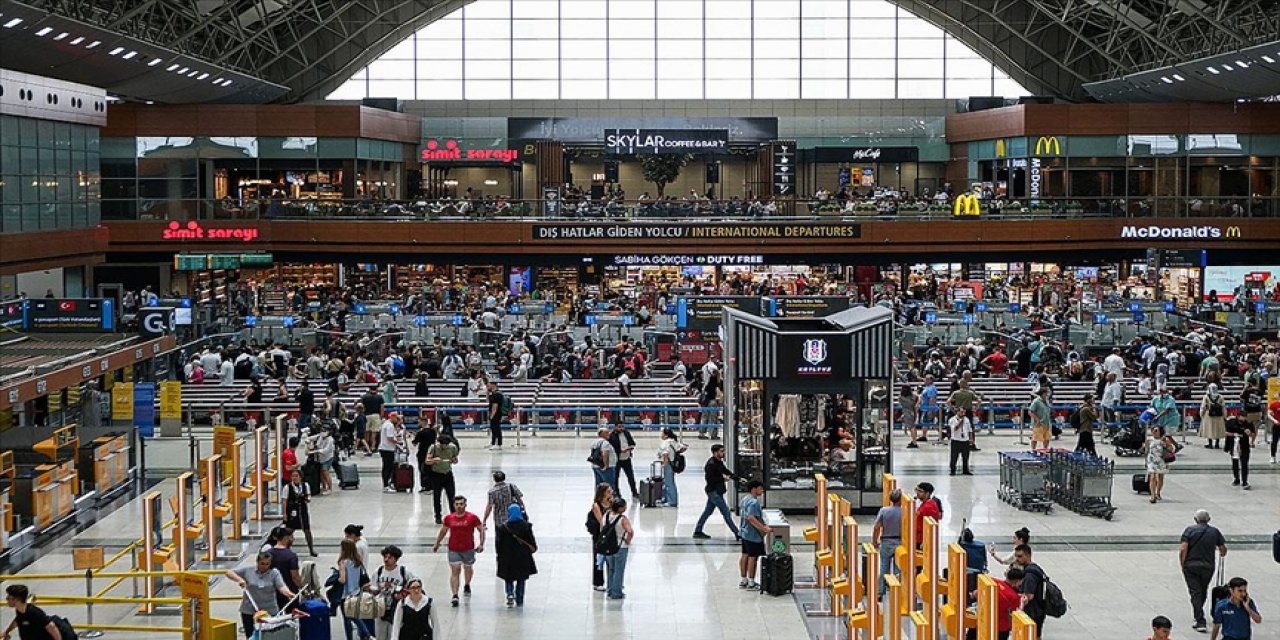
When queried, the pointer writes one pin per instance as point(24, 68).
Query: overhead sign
point(682, 260)
point(433, 151)
point(144, 408)
point(1183, 257)
point(659, 141)
point(1180, 232)
point(707, 231)
point(860, 155)
point(589, 130)
point(70, 314)
point(1035, 176)
point(805, 306)
point(784, 168)
point(11, 316)
point(702, 313)
point(156, 321)
point(176, 231)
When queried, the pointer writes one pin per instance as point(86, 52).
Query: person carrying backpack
point(31, 621)
point(1040, 597)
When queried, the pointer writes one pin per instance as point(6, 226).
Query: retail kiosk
point(789, 383)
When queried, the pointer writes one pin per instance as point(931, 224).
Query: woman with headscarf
point(1213, 417)
point(515, 554)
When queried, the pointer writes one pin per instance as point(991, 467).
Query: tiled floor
point(1116, 575)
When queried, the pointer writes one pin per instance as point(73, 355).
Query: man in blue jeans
point(886, 535)
point(716, 473)
point(607, 470)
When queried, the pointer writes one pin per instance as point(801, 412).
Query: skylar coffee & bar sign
point(696, 231)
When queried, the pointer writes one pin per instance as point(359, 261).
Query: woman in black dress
point(297, 496)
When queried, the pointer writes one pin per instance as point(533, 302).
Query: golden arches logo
point(1048, 146)
point(1233, 232)
point(967, 205)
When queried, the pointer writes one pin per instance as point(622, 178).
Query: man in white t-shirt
point(390, 437)
point(227, 373)
point(1114, 363)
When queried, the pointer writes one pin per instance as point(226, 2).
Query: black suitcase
point(777, 574)
point(651, 488)
point(1141, 484)
point(1275, 546)
point(348, 476)
point(311, 475)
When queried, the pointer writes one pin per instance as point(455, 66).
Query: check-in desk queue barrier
point(934, 603)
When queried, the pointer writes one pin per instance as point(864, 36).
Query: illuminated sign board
point(710, 231)
point(685, 260)
point(1201, 232)
point(70, 314)
point(634, 141)
point(436, 152)
point(176, 231)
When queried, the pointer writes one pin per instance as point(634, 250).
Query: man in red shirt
point(929, 507)
point(997, 363)
point(461, 526)
point(1007, 601)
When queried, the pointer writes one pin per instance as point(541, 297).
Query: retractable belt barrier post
point(955, 615)
point(818, 534)
point(1024, 628)
point(907, 560)
point(867, 621)
point(987, 615)
point(927, 581)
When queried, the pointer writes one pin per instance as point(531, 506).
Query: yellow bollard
point(892, 620)
point(988, 620)
point(927, 579)
point(906, 555)
point(955, 617)
point(887, 484)
point(1024, 628)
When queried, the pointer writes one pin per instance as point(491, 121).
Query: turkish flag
point(67, 305)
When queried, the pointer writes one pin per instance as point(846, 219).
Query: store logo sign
point(1203, 232)
point(451, 152)
point(867, 154)
point(1048, 146)
point(1036, 176)
point(815, 351)
point(968, 204)
point(194, 231)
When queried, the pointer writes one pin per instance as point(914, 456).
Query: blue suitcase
point(315, 626)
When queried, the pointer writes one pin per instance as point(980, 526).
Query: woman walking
point(353, 578)
point(600, 506)
point(909, 403)
point(615, 543)
point(1213, 417)
point(1088, 417)
point(1239, 445)
point(415, 618)
point(1158, 448)
point(668, 449)
point(515, 554)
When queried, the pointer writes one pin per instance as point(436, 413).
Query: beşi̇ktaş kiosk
point(795, 389)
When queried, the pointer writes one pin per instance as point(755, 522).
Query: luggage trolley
point(1082, 483)
point(1022, 480)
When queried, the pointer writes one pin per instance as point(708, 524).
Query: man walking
point(623, 443)
point(752, 532)
point(604, 460)
point(496, 415)
point(886, 535)
point(1041, 431)
point(715, 473)
point(371, 404)
point(502, 495)
point(30, 621)
point(461, 526)
point(1031, 587)
point(962, 439)
point(1197, 559)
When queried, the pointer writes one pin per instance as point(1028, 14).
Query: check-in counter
point(46, 482)
point(7, 520)
point(104, 463)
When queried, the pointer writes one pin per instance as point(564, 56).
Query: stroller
point(1132, 436)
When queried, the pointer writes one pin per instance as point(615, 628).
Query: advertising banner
point(70, 314)
point(122, 402)
point(814, 356)
point(170, 400)
point(645, 141)
point(144, 408)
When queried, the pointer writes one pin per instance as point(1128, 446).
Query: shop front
point(870, 170)
point(810, 396)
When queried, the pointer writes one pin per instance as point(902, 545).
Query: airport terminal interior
point(694, 319)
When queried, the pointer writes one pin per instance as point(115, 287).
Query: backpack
point(397, 365)
point(606, 543)
point(504, 406)
point(1074, 419)
point(64, 628)
point(389, 612)
point(595, 457)
point(1054, 604)
point(1215, 408)
point(678, 462)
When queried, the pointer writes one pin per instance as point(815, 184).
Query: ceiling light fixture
point(116, 51)
point(61, 36)
point(1179, 77)
point(130, 55)
point(172, 67)
point(193, 73)
point(202, 76)
point(44, 32)
point(1213, 70)
point(182, 70)
point(154, 62)
point(77, 40)
point(1268, 59)
point(1242, 64)
point(13, 23)
point(1228, 67)
point(1166, 79)
point(93, 44)
point(227, 83)
point(217, 81)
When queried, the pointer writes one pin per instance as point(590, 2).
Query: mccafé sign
point(434, 152)
point(1200, 232)
point(194, 231)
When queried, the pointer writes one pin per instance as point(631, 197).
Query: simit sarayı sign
point(435, 152)
point(176, 231)
point(1200, 232)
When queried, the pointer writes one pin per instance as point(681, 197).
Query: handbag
point(1170, 453)
point(364, 606)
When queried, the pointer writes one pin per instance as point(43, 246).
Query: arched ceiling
point(1052, 47)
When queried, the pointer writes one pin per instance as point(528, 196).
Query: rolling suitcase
point(651, 487)
point(1141, 484)
point(402, 477)
point(777, 574)
point(1275, 546)
point(348, 475)
point(311, 475)
point(316, 625)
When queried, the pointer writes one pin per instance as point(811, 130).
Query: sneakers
point(742, 584)
point(698, 535)
point(388, 490)
point(466, 591)
point(1273, 461)
point(913, 445)
point(1245, 486)
point(511, 601)
point(1235, 483)
point(454, 602)
point(1200, 626)
point(600, 588)
point(752, 585)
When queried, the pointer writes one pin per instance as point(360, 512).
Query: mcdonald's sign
point(1048, 146)
point(1233, 232)
point(1001, 150)
point(967, 204)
